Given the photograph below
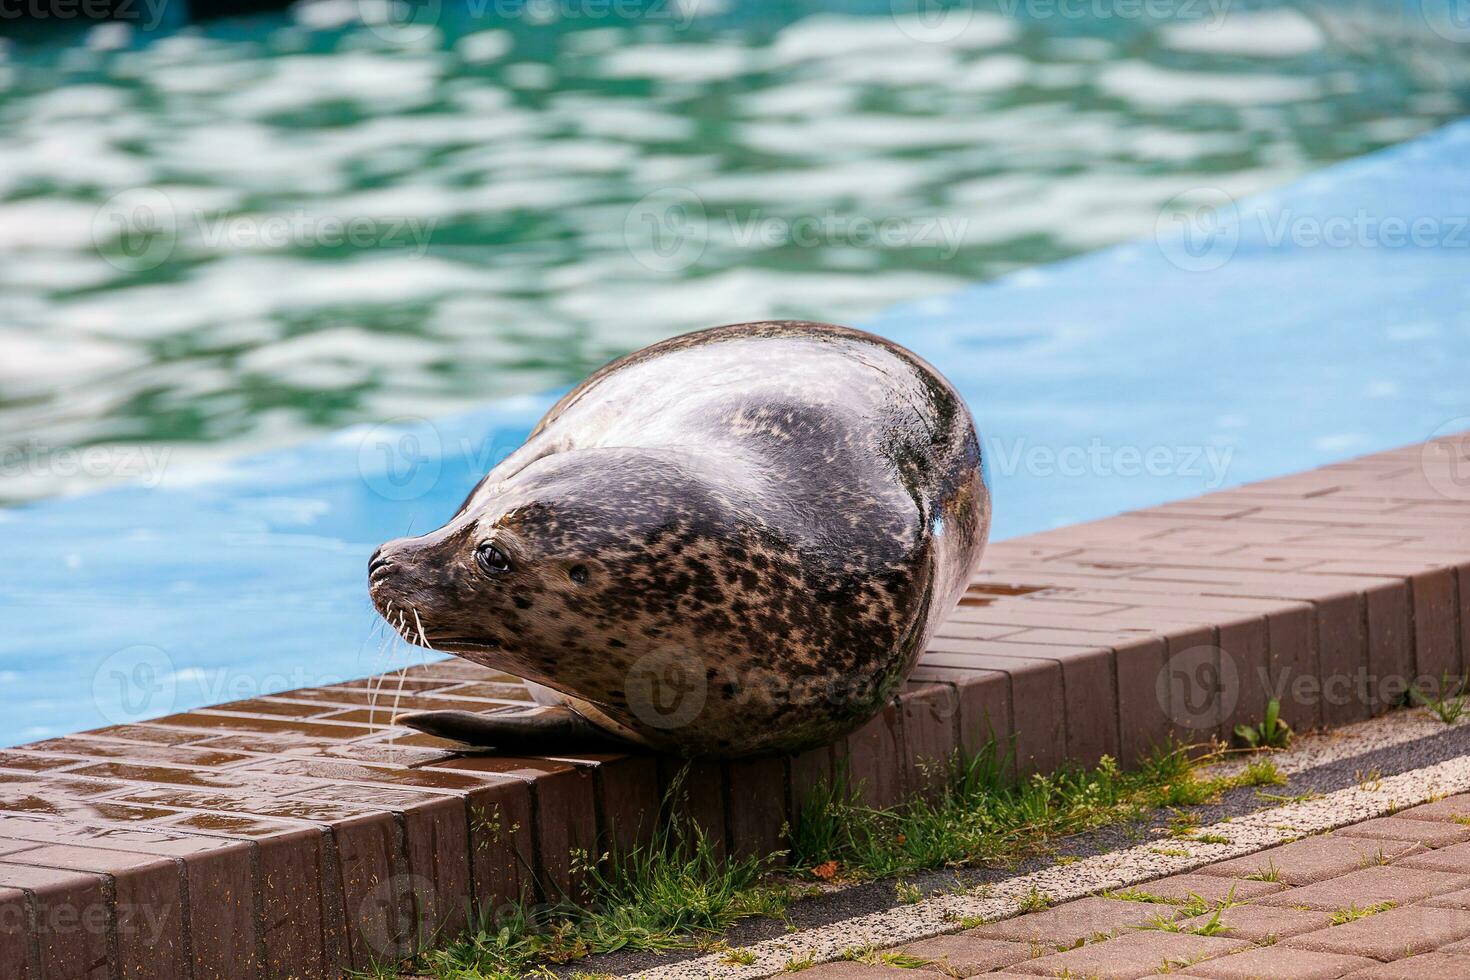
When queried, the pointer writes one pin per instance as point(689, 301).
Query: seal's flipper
point(537, 730)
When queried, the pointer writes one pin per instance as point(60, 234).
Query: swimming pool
point(306, 223)
point(1140, 374)
point(1205, 355)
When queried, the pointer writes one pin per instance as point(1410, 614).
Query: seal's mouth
point(452, 643)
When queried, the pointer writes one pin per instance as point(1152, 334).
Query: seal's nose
point(378, 562)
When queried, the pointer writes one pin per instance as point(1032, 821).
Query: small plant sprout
point(797, 964)
point(1352, 912)
point(1033, 901)
point(1269, 873)
point(1271, 733)
point(1447, 704)
point(907, 892)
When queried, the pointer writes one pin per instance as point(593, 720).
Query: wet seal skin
point(733, 543)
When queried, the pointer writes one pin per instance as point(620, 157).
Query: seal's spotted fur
point(731, 543)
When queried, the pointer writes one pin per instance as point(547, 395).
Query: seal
point(733, 543)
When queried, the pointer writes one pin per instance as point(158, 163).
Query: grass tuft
point(1270, 873)
point(983, 816)
point(1447, 703)
point(1271, 733)
point(1352, 912)
point(675, 892)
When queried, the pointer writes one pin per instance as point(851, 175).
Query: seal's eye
point(578, 574)
point(492, 560)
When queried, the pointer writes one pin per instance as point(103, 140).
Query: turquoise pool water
point(236, 236)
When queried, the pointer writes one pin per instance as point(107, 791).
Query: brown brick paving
point(1454, 859)
point(1211, 888)
point(1276, 961)
point(1133, 955)
point(1451, 808)
point(1390, 935)
point(1312, 859)
point(1260, 923)
point(859, 971)
point(1083, 919)
point(1428, 832)
point(1420, 932)
point(317, 828)
point(966, 954)
point(1369, 886)
point(1430, 966)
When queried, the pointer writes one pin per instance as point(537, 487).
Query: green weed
point(1271, 733)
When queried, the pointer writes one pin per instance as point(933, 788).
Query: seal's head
point(560, 573)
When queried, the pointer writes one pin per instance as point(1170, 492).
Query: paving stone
point(1449, 809)
point(15, 953)
point(845, 970)
point(1455, 858)
point(146, 908)
point(1429, 966)
point(966, 954)
point(1277, 961)
point(1082, 919)
point(1133, 955)
point(1389, 935)
point(1261, 923)
point(1369, 886)
point(1211, 888)
point(1430, 833)
point(1451, 900)
point(74, 919)
point(1313, 859)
